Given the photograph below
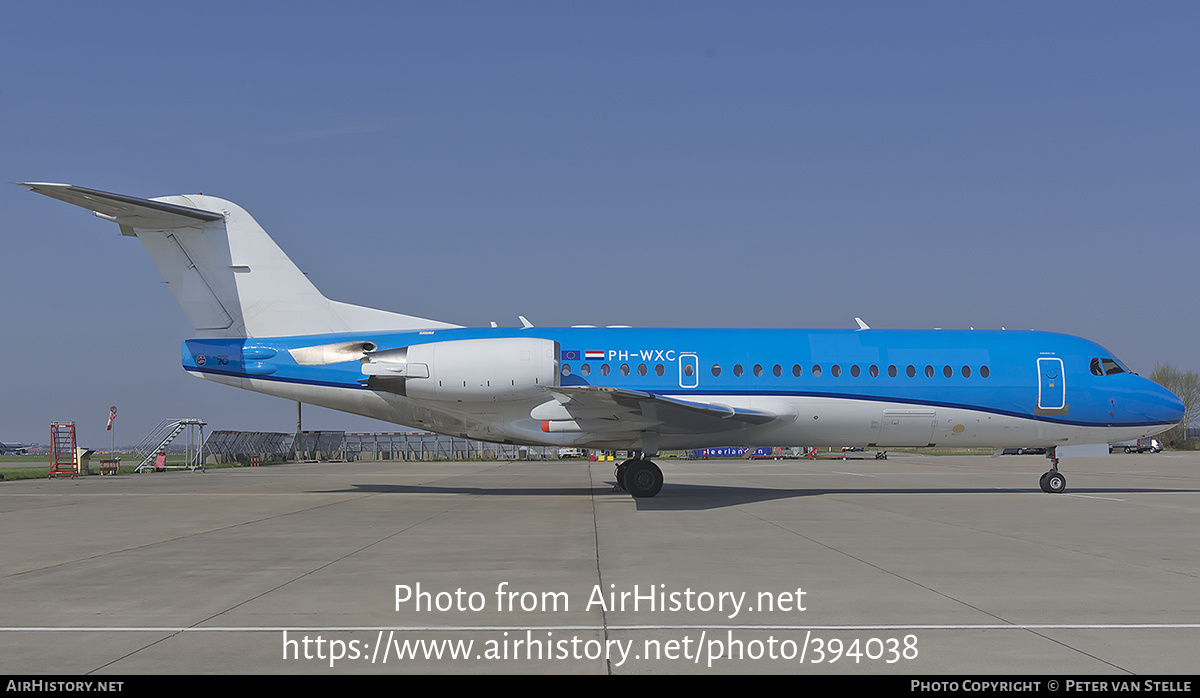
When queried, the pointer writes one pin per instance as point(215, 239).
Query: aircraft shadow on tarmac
point(685, 497)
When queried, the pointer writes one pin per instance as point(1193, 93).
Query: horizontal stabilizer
point(126, 210)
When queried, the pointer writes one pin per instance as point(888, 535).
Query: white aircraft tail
point(228, 275)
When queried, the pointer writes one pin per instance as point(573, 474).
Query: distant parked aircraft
point(10, 448)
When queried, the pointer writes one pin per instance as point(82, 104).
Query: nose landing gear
point(1053, 482)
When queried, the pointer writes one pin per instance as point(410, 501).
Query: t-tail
point(229, 276)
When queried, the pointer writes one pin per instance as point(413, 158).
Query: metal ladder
point(160, 438)
point(62, 443)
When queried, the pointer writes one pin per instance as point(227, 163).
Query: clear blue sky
point(791, 164)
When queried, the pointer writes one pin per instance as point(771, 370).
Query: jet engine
point(466, 370)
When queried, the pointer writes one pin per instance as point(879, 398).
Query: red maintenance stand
point(62, 443)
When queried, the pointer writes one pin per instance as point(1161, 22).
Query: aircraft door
point(912, 427)
point(689, 371)
point(1052, 389)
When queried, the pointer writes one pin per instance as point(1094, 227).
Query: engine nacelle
point(467, 370)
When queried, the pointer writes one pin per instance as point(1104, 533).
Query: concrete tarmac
point(914, 565)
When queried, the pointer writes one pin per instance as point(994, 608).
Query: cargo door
point(913, 427)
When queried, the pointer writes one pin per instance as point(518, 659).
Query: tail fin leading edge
point(227, 274)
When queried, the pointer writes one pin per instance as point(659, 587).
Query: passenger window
point(737, 369)
point(624, 369)
point(835, 370)
point(984, 372)
point(928, 371)
point(966, 371)
point(659, 370)
point(642, 369)
point(947, 372)
point(892, 371)
point(778, 370)
point(816, 371)
point(874, 371)
point(566, 369)
point(854, 371)
point(716, 369)
point(688, 369)
point(797, 371)
point(911, 371)
point(585, 370)
point(604, 369)
point(757, 369)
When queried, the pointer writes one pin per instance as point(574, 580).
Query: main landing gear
point(1053, 481)
point(639, 477)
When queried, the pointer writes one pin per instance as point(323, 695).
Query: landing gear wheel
point(642, 478)
point(1053, 482)
point(619, 472)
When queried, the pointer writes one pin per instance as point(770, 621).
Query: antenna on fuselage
point(524, 323)
point(861, 325)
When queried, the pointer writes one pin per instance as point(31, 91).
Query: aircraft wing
point(646, 411)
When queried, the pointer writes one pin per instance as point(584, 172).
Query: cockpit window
point(1105, 367)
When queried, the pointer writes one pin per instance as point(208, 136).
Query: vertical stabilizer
point(228, 275)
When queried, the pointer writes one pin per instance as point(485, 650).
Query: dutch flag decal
point(594, 355)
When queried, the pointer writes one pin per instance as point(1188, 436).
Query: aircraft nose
point(1165, 405)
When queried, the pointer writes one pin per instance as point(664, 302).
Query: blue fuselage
point(827, 387)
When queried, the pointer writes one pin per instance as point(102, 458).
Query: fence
point(239, 446)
